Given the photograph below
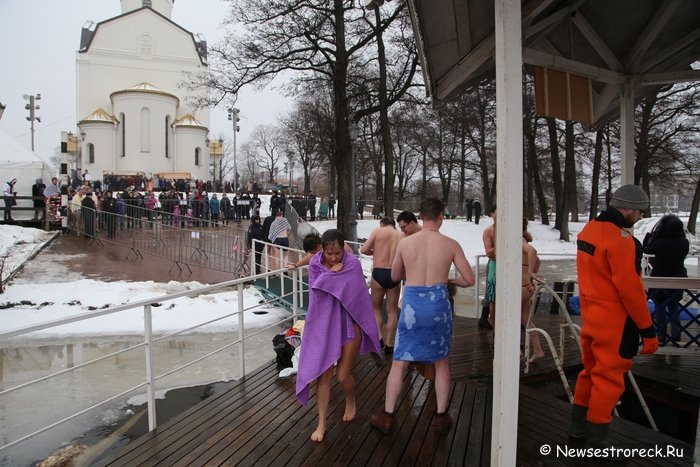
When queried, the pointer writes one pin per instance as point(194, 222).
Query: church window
point(196, 157)
point(145, 129)
point(146, 46)
point(122, 135)
point(91, 153)
point(167, 136)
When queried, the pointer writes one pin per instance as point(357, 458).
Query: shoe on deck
point(441, 423)
point(383, 422)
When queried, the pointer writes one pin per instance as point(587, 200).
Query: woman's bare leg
point(323, 396)
point(344, 373)
point(526, 303)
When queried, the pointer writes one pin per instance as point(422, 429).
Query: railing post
point(267, 265)
point(295, 296)
point(253, 249)
point(150, 390)
point(477, 287)
point(241, 330)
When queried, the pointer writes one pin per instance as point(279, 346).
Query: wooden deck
point(260, 422)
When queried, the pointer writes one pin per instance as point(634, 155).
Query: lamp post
point(216, 150)
point(32, 106)
point(290, 165)
point(233, 116)
point(354, 130)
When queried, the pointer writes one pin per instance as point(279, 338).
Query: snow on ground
point(27, 304)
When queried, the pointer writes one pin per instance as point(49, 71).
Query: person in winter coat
point(255, 232)
point(110, 211)
point(40, 203)
point(88, 213)
point(476, 205)
point(669, 245)
point(214, 207)
point(8, 192)
point(614, 314)
point(225, 208)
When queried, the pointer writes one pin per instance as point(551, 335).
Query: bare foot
point(535, 357)
point(317, 436)
point(349, 409)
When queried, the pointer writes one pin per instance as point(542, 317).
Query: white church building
point(134, 119)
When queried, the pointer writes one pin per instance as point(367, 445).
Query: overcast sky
point(40, 39)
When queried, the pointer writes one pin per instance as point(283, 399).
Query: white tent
point(18, 162)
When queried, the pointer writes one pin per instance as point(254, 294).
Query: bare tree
point(304, 133)
point(267, 144)
point(317, 40)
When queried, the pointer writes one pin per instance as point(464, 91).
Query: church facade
point(134, 119)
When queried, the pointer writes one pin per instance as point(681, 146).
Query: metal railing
point(184, 241)
point(149, 383)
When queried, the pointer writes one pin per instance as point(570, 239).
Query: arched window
point(196, 157)
point(167, 136)
point(145, 130)
point(122, 135)
point(91, 153)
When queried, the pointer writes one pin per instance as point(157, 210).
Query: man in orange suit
point(614, 313)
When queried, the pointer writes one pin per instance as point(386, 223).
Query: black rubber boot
point(597, 438)
point(484, 320)
point(577, 429)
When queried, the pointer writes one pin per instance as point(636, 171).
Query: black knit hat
point(630, 197)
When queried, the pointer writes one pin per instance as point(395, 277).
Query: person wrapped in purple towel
point(339, 325)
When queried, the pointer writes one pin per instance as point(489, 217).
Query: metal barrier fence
point(184, 240)
point(148, 344)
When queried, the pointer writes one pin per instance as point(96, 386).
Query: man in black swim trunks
point(381, 245)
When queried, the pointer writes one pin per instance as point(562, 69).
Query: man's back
point(383, 242)
point(427, 257)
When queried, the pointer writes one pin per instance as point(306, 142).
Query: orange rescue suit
point(614, 312)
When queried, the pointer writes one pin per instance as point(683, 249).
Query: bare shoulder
point(451, 243)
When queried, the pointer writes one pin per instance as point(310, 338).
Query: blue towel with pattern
point(424, 331)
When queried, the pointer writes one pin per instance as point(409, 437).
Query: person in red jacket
point(614, 313)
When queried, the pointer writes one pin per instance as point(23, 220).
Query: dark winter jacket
point(669, 245)
point(255, 232)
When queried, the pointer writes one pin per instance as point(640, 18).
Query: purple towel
point(337, 299)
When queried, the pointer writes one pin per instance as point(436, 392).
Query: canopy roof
point(647, 42)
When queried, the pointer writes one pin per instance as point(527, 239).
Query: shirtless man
point(489, 239)
point(425, 326)
point(381, 245)
point(408, 224)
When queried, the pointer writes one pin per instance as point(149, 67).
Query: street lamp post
point(290, 165)
point(32, 106)
point(354, 132)
point(233, 116)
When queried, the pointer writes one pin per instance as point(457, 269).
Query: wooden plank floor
point(260, 422)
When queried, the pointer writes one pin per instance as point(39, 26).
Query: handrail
point(478, 278)
point(149, 340)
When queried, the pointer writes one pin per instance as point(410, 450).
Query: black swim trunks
point(383, 278)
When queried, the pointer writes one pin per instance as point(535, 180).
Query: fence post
point(241, 330)
point(150, 390)
point(295, 294)
point(477, 286)
point(251, 254)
